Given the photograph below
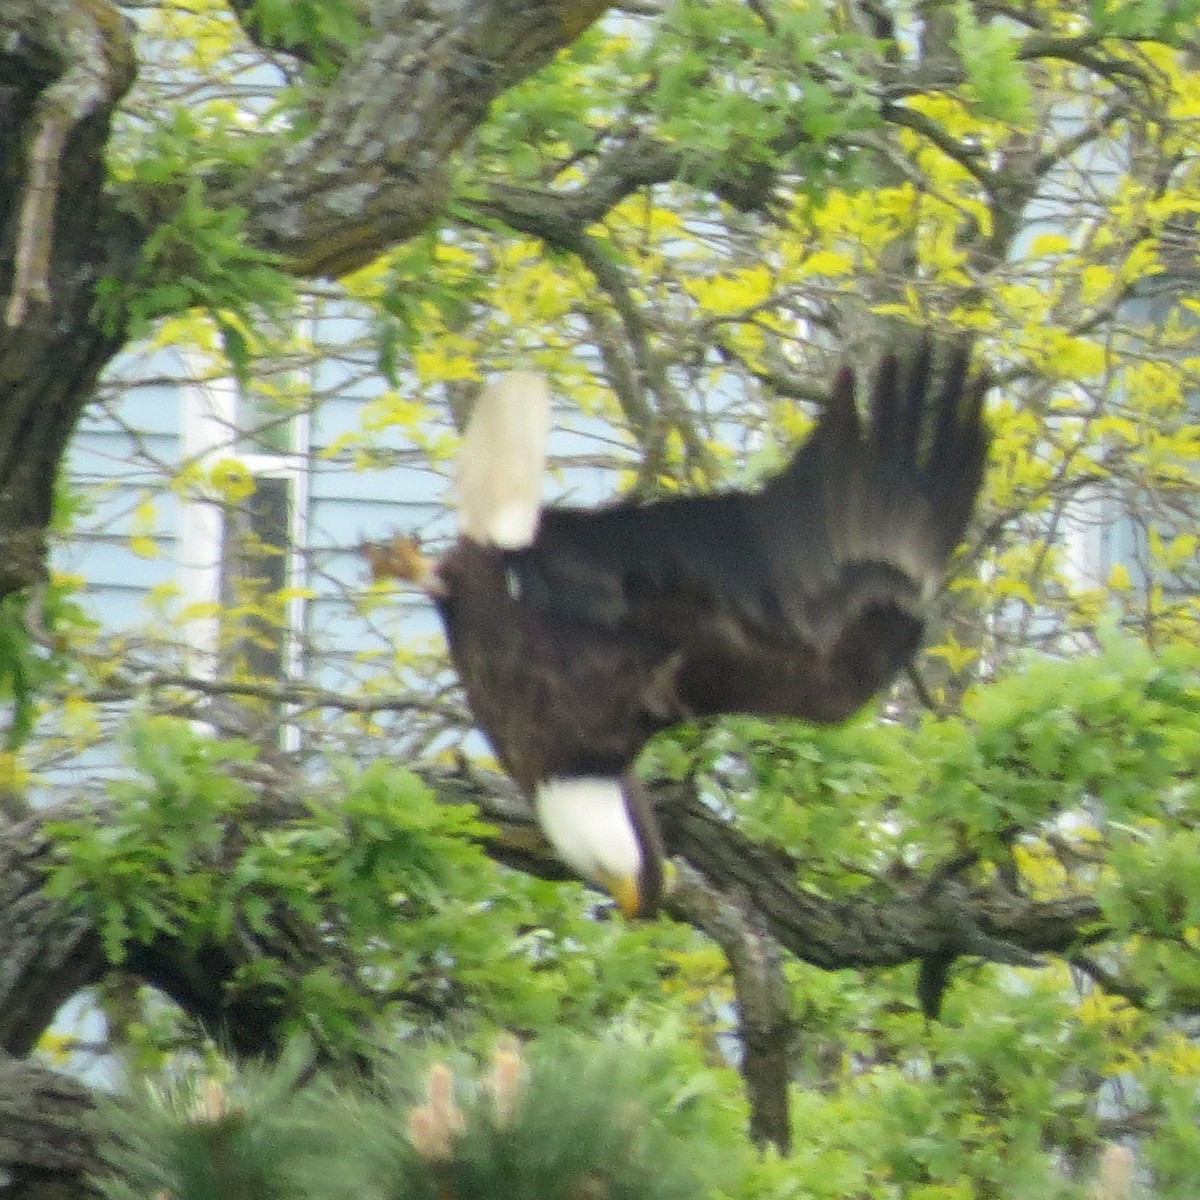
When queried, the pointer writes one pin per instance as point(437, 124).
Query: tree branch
point(64, 65)
point(921, 918)
point(50, 952)
point(912, 922)
point(376, 168)
point(92, 51)
point(765, 1023)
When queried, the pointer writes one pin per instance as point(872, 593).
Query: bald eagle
point(580, 633)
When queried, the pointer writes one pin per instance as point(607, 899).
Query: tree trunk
point(47, 954)
point(47, 1147)
point(63, 68)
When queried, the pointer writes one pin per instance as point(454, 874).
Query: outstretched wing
point(804, 598)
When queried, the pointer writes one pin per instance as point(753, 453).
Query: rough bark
point(47, 1151)
point(376, 168)
point(46, 953)
point(765, 1021)
point(945, 912)
point(63, 68)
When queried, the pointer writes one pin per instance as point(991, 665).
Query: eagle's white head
point(599, 834)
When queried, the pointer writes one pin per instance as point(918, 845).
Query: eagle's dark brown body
point(555, 695)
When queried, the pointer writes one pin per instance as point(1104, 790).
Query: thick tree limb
point(373, 172)
point(745, 895)
point(926, 916)
point(47, 1151)
point(48, 952)
point(376, 168)
point(64, 65)
point(913, 922)
point(92, 67)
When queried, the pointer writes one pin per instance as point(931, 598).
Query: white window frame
point(210, 433)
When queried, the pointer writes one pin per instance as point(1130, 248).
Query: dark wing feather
point(805, 598)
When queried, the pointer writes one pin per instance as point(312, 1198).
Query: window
point(242, 559)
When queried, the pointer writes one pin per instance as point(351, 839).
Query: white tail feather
point(502, 460)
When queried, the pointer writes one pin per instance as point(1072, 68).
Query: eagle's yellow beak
point(626, 891)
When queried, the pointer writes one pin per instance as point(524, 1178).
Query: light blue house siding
point(110, 468)
point(142, 548)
